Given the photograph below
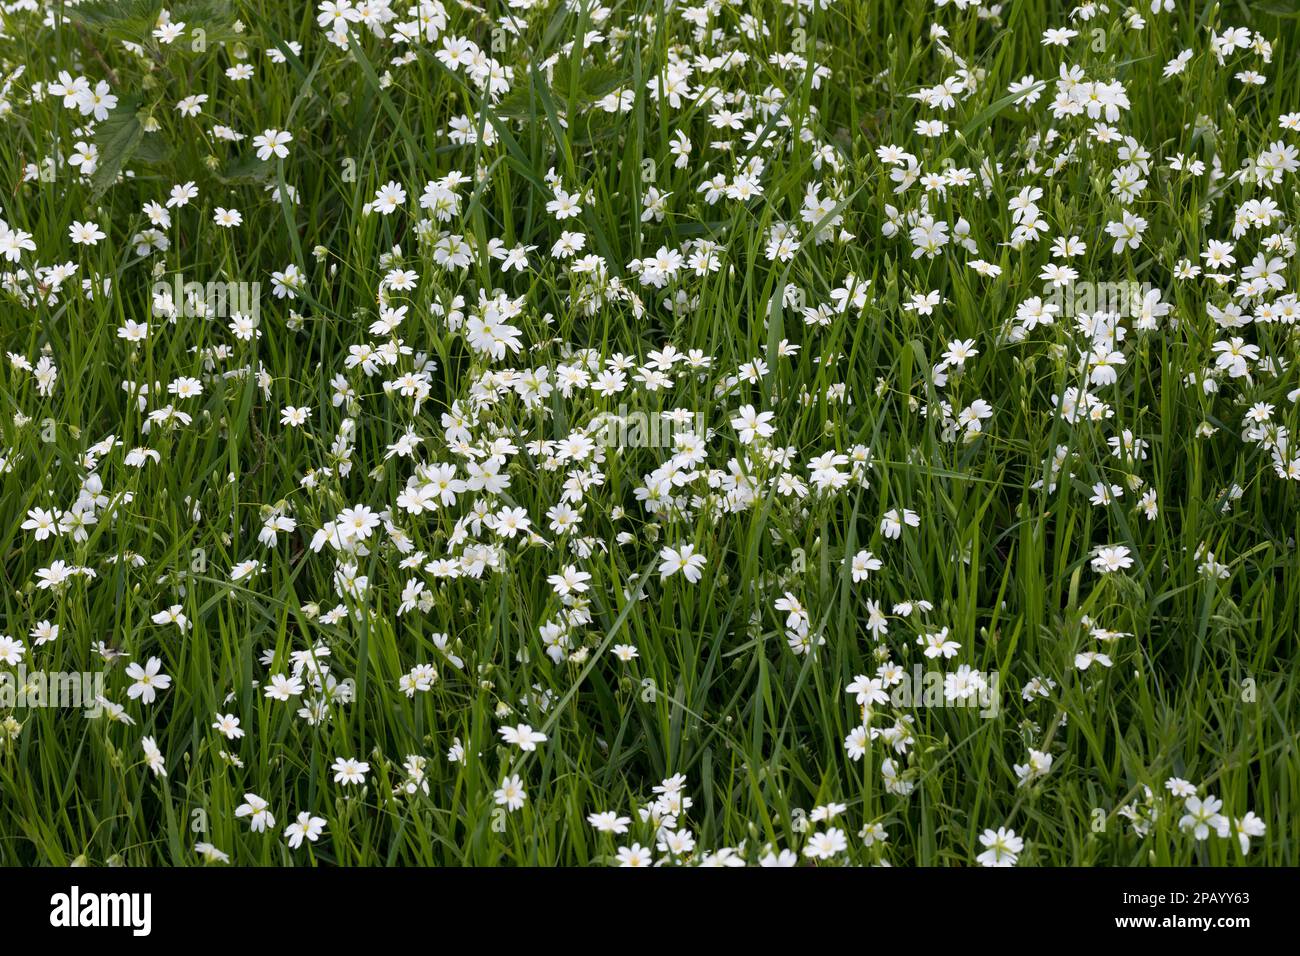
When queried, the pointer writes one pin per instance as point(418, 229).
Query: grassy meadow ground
point(735, 432)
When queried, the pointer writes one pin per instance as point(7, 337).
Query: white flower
point(684, 560)
point(85, 233)
point(823, 846)
point(153, 757)
point(751, 424)
point(1203, 816)
point(256, 809)
point(305, 827)
point(148, 680)
point(273, 142)
point(350, 771)
point(511, 793)
point(522, 736)
point(1002, 847)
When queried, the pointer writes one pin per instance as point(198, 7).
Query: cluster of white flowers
point(441, 411)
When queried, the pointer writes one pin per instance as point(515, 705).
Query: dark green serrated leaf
point(117, 138)
point(246, 169)
point(119, 19)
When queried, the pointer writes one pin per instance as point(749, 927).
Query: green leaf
point(246, 169)
point(117, 137)
point(134, 20)
point(120, 19)
point(213, 17)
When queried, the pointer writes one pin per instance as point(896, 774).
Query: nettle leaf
point(246, 169)
point(117, 137)
point(134, 20)
point(517, 104)
point(213, 17)
point(119, 19)
point(593, 84)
